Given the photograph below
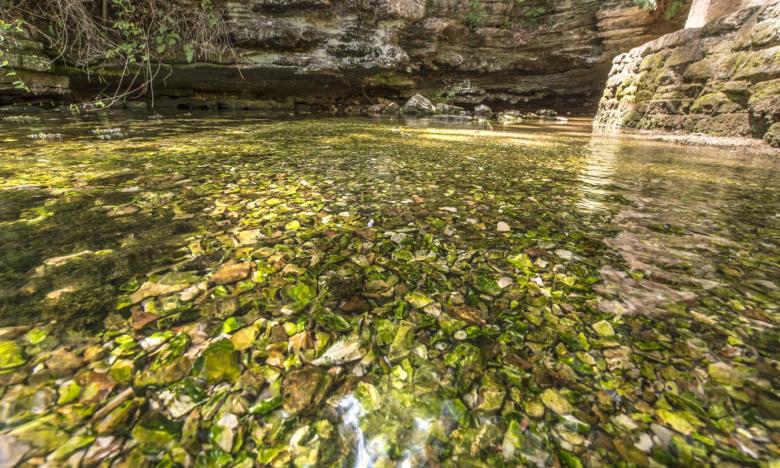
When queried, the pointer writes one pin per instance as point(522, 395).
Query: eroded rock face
point(27, 63)
point(722, 79)
point(502, 53)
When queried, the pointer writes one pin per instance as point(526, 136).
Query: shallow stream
point(180, 290)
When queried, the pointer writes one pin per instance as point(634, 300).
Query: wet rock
point(510, 117)
point(418, 105)
point(163, 373)
point(150, 289)
point(471, 315)
point(726, 374)
point(121, 211)
point(232, 273)
point(11, 355)
point(12, 450)
point(547, 114)
point(448, 109)
point(483, 111)
point(418, 300)
point(304, 389)
point(341, 352)
point(219, 362)
point(155, 430)
point(556, 402)
point(119, 417)
point(245, 337)
point(45, 136)
point(604, 329)
point(391, 109)
point(223, 432)
point(355, 304)
point(62, 362)
point(402, 342)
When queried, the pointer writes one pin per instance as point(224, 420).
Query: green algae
point(228, 291)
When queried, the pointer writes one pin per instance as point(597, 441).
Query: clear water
point(231, 290)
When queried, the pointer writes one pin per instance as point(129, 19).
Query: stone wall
point(505, 53)
point(27, 63)
point(721, 79)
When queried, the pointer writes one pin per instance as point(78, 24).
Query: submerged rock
point(304, 389)
point(557, 403)
point(220, 362)
point(232, 272)
point(10, 355)
point(343, 351)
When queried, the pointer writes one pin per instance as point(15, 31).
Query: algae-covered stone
point(301, 294)
point(74, 443)
point(119, 417)
point(122, 371)
point(402, 342)
point(150, 289)
point(219, 362)
point(11, 355)
point(675, 420)
point(604, 329)
point(156, 430)
point(68, 391)
point(245, 337)
point(368, 396)
point(491, 395)
point(726, 374)
point(556, 402)
point(418, 300)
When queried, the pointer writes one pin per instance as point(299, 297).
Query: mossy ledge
point(722, 79)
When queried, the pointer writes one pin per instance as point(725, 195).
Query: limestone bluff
point(314, 54)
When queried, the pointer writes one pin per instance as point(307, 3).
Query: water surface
point(236, 290)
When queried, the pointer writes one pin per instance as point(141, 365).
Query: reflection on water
point(229, 291)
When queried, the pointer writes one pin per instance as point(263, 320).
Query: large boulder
point(418, 105)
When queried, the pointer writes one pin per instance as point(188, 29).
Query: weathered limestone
point(28, 63)
point(705, 11)
point(320, 53)
point(722, 79)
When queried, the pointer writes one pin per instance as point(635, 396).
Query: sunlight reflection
point(376, 450)
point(598, 172)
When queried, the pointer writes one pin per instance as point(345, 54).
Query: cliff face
point(505, 53)
point(27, 63)
point(722, 79)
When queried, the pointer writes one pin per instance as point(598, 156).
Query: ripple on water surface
point(234, 291)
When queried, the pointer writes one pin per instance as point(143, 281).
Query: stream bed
point(185, 290)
